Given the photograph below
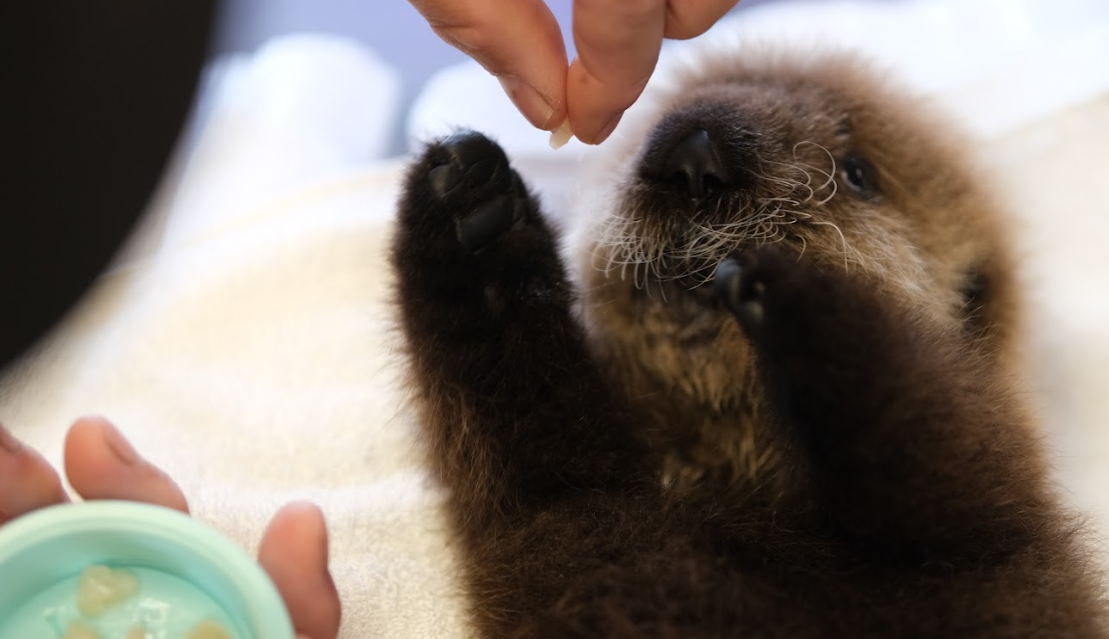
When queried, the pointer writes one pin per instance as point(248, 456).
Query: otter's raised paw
point(470, 179)
point(814, 327)
point(744, 280)
point(469, 235)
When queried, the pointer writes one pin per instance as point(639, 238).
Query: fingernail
point(534, 107)
point(119, 446)
point(607, 129)
point(8, 442)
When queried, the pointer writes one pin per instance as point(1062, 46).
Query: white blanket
point(244, 343)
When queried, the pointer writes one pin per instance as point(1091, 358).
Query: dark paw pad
point(475, 180)
point(489, 220)
point(471, 160)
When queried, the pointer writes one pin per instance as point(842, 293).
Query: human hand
point(101, 464)
point(618, 43)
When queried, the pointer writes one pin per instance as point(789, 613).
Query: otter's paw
point(748, 282)
point(824, 337)
point(470, 236)
point(792, 307)
point(472, 189)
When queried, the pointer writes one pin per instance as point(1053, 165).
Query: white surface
point(244, 343)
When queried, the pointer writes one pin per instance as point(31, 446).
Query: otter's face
point(818, 158)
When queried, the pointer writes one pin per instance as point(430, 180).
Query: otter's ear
point(975, 294)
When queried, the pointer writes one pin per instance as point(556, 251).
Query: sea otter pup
point(766, 388)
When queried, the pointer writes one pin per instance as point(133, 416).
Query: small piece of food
point(561, 135)
point(209, 630)
point(136, 633)
point(79, 631)
point(100, 588)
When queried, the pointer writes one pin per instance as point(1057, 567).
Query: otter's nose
point(694, 165)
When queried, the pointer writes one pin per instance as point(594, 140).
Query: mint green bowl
point(42, 554)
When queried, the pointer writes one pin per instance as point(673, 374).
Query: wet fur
point(837, 447)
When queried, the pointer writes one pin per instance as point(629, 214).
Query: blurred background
point(393, 28)
point(957, 39)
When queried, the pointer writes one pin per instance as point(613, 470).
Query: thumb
point(518, 41)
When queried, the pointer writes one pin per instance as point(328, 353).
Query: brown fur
point(635, 455)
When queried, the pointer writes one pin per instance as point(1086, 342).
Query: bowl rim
point(266, 608)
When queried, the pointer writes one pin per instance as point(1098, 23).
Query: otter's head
point(815, 154)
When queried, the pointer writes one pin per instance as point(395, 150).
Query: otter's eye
point(861, 177)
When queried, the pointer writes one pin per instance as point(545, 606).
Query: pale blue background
point(391, 27)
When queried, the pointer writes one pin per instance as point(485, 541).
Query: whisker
point(649, 244)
